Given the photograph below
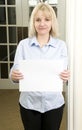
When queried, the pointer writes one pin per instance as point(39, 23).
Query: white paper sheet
point(41, 75)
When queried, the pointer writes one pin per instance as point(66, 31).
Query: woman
point(41, 110)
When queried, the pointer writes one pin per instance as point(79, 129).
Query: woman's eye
point(37, 20)
point(47, 19)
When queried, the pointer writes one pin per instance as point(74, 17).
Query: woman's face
point(42, 23)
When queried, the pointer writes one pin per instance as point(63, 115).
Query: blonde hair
point(50, 12)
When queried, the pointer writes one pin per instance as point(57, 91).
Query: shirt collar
point(34, 42)
point(52, 42)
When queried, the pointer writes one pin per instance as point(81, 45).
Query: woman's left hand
point(65, 75)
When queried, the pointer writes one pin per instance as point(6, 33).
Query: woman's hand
point(16, 75)
point(65, 75)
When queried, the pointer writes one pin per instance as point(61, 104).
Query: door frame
point(74, 41)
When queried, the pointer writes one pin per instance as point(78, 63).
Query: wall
point(62, 18)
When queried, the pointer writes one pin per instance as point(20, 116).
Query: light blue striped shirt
point(29, 49)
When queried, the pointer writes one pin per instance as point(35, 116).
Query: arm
point(15, 75)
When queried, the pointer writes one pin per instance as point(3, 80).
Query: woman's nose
point(42, 22)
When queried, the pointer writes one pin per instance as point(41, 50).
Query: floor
point(9, 111)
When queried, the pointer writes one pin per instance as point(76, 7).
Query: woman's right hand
point(16, 75)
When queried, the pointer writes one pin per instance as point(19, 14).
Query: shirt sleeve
point(64, 54)
point(17, 59)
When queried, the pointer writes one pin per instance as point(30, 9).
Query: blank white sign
point(41, 75)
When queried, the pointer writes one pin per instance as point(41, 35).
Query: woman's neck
point(43, 40)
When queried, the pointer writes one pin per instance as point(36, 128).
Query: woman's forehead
point(44, 13)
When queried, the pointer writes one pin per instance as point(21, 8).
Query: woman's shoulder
point(59, 42)
point(24, 41)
